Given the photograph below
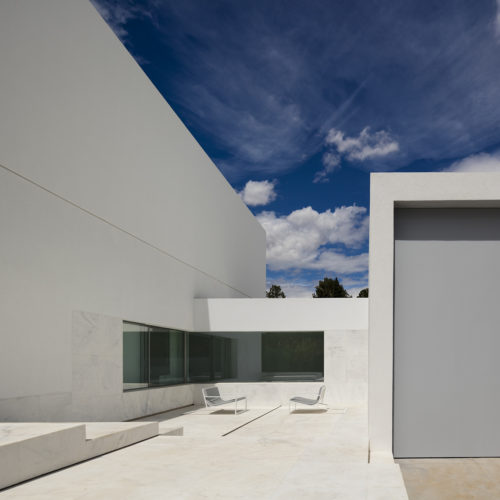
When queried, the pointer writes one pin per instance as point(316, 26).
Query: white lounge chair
point(307, 401)
point(212, 397)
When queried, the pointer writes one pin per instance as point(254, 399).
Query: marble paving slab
point(279, 456)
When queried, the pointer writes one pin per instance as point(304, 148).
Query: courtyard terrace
point(261, 453)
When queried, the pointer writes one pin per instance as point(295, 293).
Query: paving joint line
point(250, 421)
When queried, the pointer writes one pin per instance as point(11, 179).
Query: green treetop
point(275, 292)
point(328, 287)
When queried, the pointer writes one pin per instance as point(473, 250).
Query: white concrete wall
point(344, 321)
point(405, 190)
point(346, 377)
point(107, 203)
point(346, 368)
point(255, 315)
point(262, 394)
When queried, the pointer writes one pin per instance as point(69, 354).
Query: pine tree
point(275, 292)
point(328, 287)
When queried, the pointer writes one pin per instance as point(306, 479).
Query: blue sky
point(296, 102)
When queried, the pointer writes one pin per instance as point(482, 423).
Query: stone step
point(28, 450)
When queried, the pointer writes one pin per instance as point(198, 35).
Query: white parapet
point(255, 315)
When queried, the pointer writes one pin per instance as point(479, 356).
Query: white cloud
point(300, 240)
point(481, 162)
point(354, 286)
point(364, 147)
point(354, 292)
point(497, 20)
point(331, 162)
point(257, 193)
point(295, 290)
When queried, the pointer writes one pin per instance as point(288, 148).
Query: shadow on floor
point(322, 410)
point(227, 412)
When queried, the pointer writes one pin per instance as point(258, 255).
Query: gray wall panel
point(447, 333)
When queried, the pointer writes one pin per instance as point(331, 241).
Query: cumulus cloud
point(481, 162)
point(257, 193)
point(364, 147)
point(303, 239)
point(331, 162)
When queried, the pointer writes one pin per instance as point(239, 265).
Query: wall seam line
point(118, 228)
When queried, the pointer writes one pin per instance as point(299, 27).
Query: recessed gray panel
point(447, 333)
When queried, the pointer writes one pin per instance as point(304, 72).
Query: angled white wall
point(107, 203)
point(80, 118)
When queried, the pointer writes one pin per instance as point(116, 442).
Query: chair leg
point(236, 406)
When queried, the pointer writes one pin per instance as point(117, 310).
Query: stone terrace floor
point(303, 455)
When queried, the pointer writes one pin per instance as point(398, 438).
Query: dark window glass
point(292, 355)
point(200, 357)
point(135, 356)
point(154, 357)
point(222, 360)
point(166, 351)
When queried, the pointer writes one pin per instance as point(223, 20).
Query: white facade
point(97, 365)
point(108, 209)
point(345, 326)
point(390, 191)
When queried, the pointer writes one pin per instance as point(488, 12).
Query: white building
point(132, 273)
point(110, 211)
point(114, 223)
point(434, 315)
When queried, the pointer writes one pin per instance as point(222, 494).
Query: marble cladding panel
point(98, 375)
point(97, 380)
point(38, 408)
point(97, 352)
point(139, 403)
point(262, 394)
point(346, 377)
point(346, 367)
point(97, 367)
point(94, 408)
